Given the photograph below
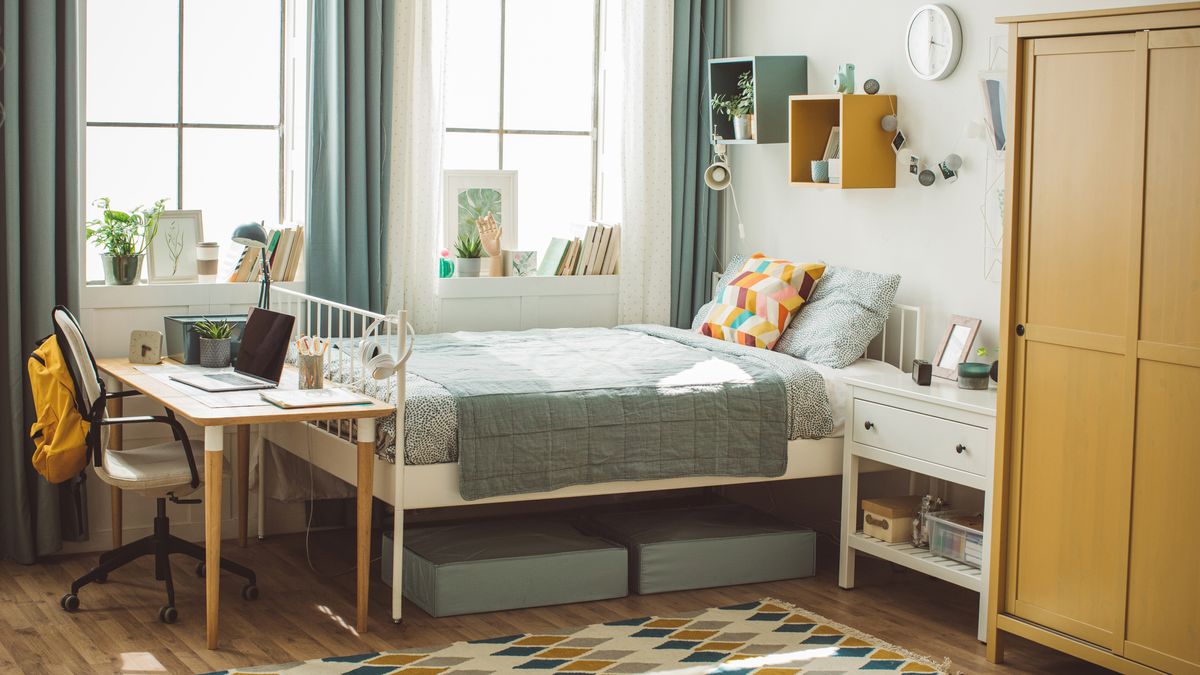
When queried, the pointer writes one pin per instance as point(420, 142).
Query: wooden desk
point(214, 420)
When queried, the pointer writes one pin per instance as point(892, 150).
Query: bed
point(373, 353)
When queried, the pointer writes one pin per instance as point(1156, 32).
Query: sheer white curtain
point(416, 156)
point(645, 268)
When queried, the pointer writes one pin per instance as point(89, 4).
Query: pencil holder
point(312, 371)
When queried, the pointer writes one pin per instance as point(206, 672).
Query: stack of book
point(597, 252)
point(285, 248)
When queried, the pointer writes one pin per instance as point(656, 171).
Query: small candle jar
point(973, 375)
point(207, 255)
point(312, 371)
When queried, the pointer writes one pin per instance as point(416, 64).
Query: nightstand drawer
point(933, 439)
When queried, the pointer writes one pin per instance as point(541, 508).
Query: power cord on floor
point(312, 494)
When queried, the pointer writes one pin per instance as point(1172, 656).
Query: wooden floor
point(303, 615)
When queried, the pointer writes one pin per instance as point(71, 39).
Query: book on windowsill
point(312, 398)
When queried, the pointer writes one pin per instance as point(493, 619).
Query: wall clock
point(933, 41)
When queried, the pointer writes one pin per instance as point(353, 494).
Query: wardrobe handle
point(1020, 329)
point(868, 425)
point(960, 448)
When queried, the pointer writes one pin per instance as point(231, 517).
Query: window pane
point(132, 61)
point(231, 61)
point(548, 66)
point(130, 167)
point(471, 151)
point(554, 185)
point(472, 98)
point(232, 175)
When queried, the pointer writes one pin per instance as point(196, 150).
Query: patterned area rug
point(768, 637)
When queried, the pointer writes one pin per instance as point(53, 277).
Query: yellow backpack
point(60, 434)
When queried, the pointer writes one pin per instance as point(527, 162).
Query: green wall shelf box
point(775, 79)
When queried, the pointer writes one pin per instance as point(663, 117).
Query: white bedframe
point(436, 485)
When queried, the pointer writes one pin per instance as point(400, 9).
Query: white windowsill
point(98, 296)
point(500, 287)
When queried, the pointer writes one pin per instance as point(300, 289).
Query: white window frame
point(501, 130)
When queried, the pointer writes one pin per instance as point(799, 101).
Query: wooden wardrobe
point(1097, 508)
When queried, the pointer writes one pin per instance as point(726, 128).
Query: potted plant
point(124, 237)
point(469, 250)
point(739, 108)
point(983, 353)
point(214, 342)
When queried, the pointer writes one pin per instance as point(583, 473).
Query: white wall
point(932, 236)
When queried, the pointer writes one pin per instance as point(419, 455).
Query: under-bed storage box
point(497, 565)
point(701, 547)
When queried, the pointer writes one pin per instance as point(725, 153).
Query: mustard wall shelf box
point(775, 78)
point(866, 155)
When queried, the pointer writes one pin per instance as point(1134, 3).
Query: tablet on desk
point(313, 398)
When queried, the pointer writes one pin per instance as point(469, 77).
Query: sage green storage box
point(497, 565)
point(706, 546)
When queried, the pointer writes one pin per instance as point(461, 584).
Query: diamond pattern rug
point(767, 637)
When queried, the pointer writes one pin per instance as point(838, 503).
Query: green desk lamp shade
point(254, 235)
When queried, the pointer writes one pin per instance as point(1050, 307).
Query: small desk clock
point(145, 346)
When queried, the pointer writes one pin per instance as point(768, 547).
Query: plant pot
point(214, 353)
point(973, 375)
point(122, 270)
point(467, 267)
point(743, 127)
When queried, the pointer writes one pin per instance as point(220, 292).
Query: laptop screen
point(265, 343)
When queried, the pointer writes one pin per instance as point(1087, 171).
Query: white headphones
point(376, 361)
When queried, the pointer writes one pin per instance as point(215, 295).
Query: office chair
point(164, 471)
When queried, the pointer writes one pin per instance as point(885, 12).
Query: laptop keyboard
point(230, 378)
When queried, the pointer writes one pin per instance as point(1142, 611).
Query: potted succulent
point(124, 237)
point(215, 338)
point(469, 250)
point(739, 108)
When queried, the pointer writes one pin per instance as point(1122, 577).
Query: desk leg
point(214, 441)
point(366, 492)
point(243, 478)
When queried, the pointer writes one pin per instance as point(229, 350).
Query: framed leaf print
point(472, 195)
point(172, 252)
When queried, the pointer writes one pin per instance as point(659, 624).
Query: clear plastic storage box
point(957, 535)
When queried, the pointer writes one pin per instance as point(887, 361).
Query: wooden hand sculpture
point(489, 235)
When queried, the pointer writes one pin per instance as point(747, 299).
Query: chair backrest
point(83, 366)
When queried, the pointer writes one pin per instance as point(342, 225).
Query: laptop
point(264, 347)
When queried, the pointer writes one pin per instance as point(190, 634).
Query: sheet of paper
point(224, 399)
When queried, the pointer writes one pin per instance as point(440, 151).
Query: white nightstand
point(940, 431)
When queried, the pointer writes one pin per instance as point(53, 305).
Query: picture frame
point(472, 194)
point(992, 84)
point(171, 256)
point(955, 346)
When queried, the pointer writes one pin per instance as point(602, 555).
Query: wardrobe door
point(1077, 239)
point(1164, 562)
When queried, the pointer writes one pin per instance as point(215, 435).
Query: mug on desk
point(312, 371)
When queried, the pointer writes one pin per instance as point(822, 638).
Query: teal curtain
point(39, 204)
point(350, 120)
point(699, 36)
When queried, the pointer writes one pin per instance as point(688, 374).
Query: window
point(196, 101)
point(521, 94)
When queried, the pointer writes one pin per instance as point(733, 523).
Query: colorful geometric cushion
point(757, 306)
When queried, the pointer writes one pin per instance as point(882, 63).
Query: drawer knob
point(868, 425)
point(960, 448)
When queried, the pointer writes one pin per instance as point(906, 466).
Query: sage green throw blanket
point(543, 409)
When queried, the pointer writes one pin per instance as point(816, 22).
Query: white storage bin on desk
point(957, 535)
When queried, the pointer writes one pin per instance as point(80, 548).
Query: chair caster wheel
point(397, 622)
point(200, 569)
point(69, 602)
point(249, 592)
point(168, 614)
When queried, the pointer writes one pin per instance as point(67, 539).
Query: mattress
point(431, 414)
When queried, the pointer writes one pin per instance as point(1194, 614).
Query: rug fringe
point(945, 667)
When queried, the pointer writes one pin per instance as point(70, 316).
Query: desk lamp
point(254, 235)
